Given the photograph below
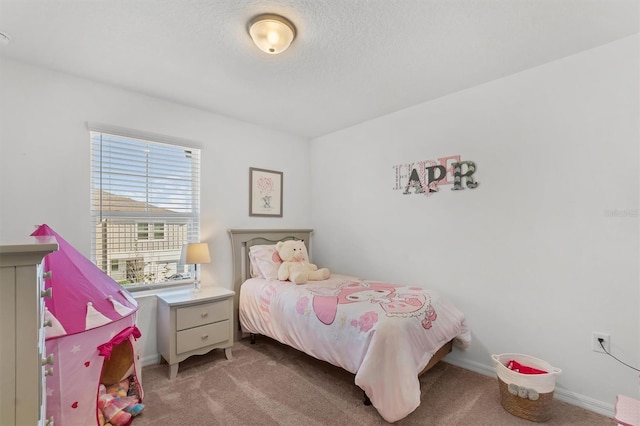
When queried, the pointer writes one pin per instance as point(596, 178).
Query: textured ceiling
point(352, 60)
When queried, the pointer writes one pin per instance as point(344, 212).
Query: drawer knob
point(47, 323)
point(48, 372)
point(46, 275)
point(204, 314)
point(48, 360)
point(46, 293)
point(205, 336)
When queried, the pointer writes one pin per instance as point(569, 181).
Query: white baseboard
point(563, 395)
point(151, 360)
point(473, 366)
point(585, 402)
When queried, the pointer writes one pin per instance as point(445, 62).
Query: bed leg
point(253, 338)
point(366, 401)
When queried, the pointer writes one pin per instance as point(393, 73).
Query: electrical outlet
point(595, 343)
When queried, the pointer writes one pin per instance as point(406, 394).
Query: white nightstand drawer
point(205, 313)
point(199, 337)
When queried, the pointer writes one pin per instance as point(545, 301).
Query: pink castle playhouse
point(95, 377)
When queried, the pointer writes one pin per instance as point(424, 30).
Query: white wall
point(44, 164)
point(532, 255)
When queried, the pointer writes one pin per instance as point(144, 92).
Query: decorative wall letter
point(457, 175)
point(433, 179)
point(414, 182)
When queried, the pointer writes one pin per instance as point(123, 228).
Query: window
point(145, 228)
point(145, 205)
point(158, 231)
point(143, 231)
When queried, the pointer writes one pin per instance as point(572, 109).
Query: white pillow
point(265, 261)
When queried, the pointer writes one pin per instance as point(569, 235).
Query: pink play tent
point(91, 333)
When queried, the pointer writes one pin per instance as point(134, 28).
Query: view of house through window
point(145, 205)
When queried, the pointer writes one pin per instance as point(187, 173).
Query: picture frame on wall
point(265, 192)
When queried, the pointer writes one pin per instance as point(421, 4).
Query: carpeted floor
point(272, 384)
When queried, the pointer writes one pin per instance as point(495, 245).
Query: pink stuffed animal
point(116, 407)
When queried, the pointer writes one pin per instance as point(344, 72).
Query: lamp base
point(196, 279)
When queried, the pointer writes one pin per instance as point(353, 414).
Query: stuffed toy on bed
point(295, 267)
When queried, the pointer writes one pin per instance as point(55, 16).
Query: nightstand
point(194, 323)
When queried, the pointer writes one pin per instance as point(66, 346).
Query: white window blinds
point(145, 204)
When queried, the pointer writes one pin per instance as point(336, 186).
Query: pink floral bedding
point(383, 333)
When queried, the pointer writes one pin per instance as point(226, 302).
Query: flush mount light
point(272, 33)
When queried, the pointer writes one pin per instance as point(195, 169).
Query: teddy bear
point(295, 267)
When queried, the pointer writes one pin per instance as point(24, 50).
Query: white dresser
point(23, 363)
point(193, 323)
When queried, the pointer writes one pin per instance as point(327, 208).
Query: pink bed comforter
point(383, 333)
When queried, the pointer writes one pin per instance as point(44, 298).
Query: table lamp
point(196, 254)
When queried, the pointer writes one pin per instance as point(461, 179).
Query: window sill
point(151, 290)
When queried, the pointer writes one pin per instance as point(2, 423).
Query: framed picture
point(265, 192)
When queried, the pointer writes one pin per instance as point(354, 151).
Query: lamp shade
point(272, 33)
point(196, 253)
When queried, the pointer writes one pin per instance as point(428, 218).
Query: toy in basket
point(526, 389)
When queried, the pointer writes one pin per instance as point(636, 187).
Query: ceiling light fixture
point(272, 33)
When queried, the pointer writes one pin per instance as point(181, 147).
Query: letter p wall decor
point(425, 177)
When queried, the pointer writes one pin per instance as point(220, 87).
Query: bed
point(386, 334)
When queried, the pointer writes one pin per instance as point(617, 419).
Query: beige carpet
point(271, 384)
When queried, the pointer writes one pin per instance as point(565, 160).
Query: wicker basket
point(528, 396)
